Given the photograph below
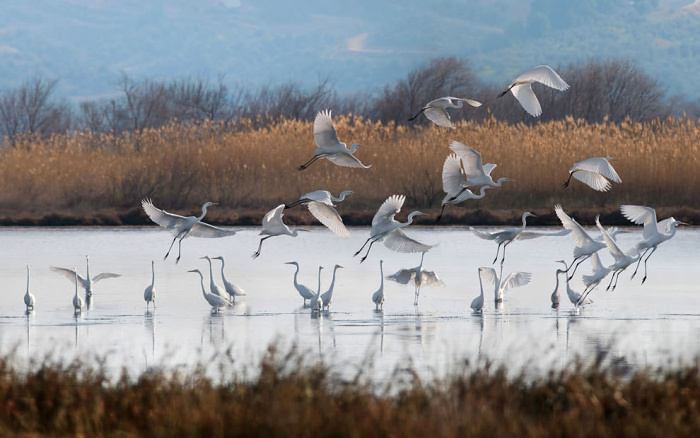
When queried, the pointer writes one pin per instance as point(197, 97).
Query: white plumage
point(594, 172)
point(521, 87)
point(328, 145)
point(436, 110)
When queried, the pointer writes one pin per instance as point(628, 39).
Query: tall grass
point(249, 171)
point(293, 398)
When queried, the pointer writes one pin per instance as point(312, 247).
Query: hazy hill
point(361, 45)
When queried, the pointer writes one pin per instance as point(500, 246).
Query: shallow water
point(638, 325)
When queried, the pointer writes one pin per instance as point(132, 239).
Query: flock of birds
point(463, 173)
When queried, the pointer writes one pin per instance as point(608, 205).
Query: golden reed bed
point(102, 178)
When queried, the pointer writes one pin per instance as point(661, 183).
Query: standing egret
point(317, 301)
point(272, 225)
point(505, 237)
point(436, 110)
point(28, 296)
point(585, 247)
point(576, 298)
point(378, 296)
point(232, 289)
point(622, 260)
point(593, 172)
point(521, 87)
point(149, 294)
point(477, 304)
point(86, 282)
point(386, 228)
point(182, 227)
point(475, 172)
point(215, 301)
point(654, 233)
point(555, 295)
point(78, 302)
point(419, 276)
point(454, 184)
point(514, 279)
point(327, 296)
point(305, 292)
point(329, 146)
point(213, 286)
point(320, 205)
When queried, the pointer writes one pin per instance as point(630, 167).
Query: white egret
point(182, 227)
point(597, 275)
point(576, 298)
point(86, 282)
point(213, 286)
point(29, 299)
point(386, 228)
point(418, 276)
point(475, 172)
point(215, 301)
point(272, 226)
point(436, 110)
point(329, 146)
point(477, 304)
point(555, 295)
point(78, 302)
point(149, 294)
point(378, 296)
point(317, 301)
point(521, 87)
point(514, 279)
point(505, 237)
point(232, 289)
point(654, 233)
point(593, 172)
point(585, 247)
point(305, 292)
point(454, 185)
point(327, 296)
point(320, 205)
point(622, 260)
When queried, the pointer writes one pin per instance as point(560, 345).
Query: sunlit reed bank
point(292, 397)
point(249, 171)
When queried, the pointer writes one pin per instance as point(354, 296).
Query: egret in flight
point(593, 172)
point(477, 304)
point(386, 228)
point(654, 233)
point(28, 296)
point(378, 296)
point(585, 247)
point(514, 279)
point(87, 281)
point(305, 292)
point(149, 294)
point(622, 260)
point(327, 296)
point(436, 110)
point(182, 227)
point(272, 226)
point(328, 145)
point(232, 289)
point(521, 87)
point(475, 172)
point(215, 301)
point(419, 276)
point(455, 186)
point(320, 205)
point(597, 275)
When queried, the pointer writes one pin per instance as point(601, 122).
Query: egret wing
point(104, 275)
point(640, 214)
point(527, 98)
point(329, 217)
point(578, 234)
point(515, 279)
point(609, 241)
point(543, 74)
point(439, 116)
point(398, 241)
point(169, 221)
point(70, 274)
point(488, 168)
point(482, 234)
point(325, 134)
point(430, 279)
point(489, 275)
point(201, 229)
point(598, 165)
point(388, 209)
point(471, 102)
point(594, 180)
point(402, 276)
point(527, 235)
point(471, 159)
point(452, 175)
point(346, 160)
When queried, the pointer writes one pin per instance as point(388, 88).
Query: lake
point(654, 324)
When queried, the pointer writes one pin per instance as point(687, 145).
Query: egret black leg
point(645, 264)
point(257, 253)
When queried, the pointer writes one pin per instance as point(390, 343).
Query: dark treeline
point(612, 90)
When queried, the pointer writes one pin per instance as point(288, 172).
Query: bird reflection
point(150, 324)
point(213, 324)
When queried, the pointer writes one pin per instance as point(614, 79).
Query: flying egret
point(378, 296)
point(320, 205)
point(28, 296)
point(477, 304)
point(593, 172)
point(576, 298)
point(514, 279)
point(521, 87)
point(213, 286)
point(182, 227)
point(418, 276)
point(622, 260)
point(78, 302)
point(505, 237)
point(327, 296)
point(149, 294)
point(215, 301)
point(232, 289)
point(597, 275)
point(436, 110)
point(317, 301)
point(585, 247)
point(86, 282)
point(454, 185)
point(272, 226)
point(329, 146)
point(654, 233)
point(386, 228)
point(475, 172)
point(305, 292)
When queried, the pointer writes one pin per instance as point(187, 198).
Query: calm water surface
point(654, 324)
